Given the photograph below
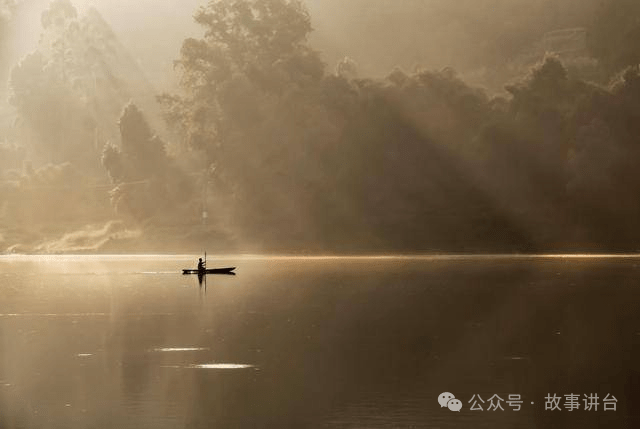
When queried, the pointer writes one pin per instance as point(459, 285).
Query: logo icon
point(449, 400)
point(455, 405)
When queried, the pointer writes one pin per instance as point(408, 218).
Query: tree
point(252, 50)
point(347, 68)
point(147, 181)
point(70, 91)
point(59, 134)
point(249, 106)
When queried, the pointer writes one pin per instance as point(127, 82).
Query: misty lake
point(129, 342)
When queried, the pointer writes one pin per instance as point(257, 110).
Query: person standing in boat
point(201, 266)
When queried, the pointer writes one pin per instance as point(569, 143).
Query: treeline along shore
point(263, 147)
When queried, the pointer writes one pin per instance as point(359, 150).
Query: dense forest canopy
point(265, 145)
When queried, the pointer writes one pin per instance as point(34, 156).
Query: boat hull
point(228, 270)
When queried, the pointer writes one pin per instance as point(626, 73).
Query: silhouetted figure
point(201, 266)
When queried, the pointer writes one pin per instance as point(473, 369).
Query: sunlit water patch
point(221, 366)
point(212, 366)
point(179, 349)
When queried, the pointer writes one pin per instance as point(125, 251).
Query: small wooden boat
point(228, 270)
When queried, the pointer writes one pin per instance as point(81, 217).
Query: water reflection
point(316, 343)
point(202, 279)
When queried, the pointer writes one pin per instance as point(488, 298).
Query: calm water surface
point(128, 342)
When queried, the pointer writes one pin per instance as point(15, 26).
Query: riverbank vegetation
point(264, 147)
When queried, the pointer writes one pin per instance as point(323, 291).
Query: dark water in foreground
point(105, 342)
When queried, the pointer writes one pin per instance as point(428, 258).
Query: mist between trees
point(286, 154)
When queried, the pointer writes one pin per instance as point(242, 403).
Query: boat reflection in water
point(202, 274)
